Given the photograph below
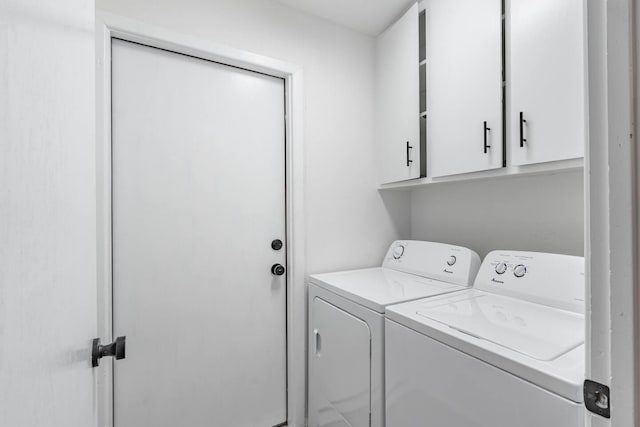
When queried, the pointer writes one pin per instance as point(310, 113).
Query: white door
point(546, 80)
point(398, 100)
point(464, 86)
point(198, 161)
point(47, 214)
point(340, 368)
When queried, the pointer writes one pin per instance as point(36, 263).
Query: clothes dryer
point(346, 326)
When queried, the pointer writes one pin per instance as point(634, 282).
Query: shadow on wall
point(396, 203)
point(540, 213)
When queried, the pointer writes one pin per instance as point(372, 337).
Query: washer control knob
point(452, 260)
point(519, 270)
point(501, 267)
point(398, 251)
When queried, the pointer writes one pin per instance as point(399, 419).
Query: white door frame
point(612, 242)
point(109, 26)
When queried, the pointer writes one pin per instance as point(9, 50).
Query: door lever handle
point(115, 349)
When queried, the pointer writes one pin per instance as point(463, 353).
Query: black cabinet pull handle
point(522, 122)
point(409, 161)
point(486, 129)
point(115, 349)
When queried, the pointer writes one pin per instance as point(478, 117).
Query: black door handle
point(486, 129)
point(522, 122)
point(115, 349)
point(277, 270)
point(409, 161)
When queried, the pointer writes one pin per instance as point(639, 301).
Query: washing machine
point(507, 352)
point(346, 326)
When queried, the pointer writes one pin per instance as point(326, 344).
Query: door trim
point(110, 26)
point(612, 180)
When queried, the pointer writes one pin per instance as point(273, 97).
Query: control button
point(501, 267)
point(452, 260)
point(398, 251)
point(519, 270)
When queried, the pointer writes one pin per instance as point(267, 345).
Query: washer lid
point(375, 288)
point(535, 330)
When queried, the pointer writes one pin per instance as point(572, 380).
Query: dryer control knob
point(501, 267)
point(519, 270)
point(452, 260)
point(398, 251)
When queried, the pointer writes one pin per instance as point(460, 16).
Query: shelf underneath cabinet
point(549, 168)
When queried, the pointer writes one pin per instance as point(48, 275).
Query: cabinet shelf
point(549, 168)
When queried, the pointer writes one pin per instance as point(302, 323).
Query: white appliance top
point(533, 330)
point(448, 263)
point(524, 315)
point(410, 270)
point(376, 288)
point(548, 279)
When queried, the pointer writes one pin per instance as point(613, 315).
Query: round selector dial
point(452, 260)
point(519, 270)
point(501, 267)
point(398, 251)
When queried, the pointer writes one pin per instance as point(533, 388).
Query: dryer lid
point(535, 330)
point(376, 288)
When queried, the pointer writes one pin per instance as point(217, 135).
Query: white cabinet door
point(339, 368)
point(398, 100)
point(464, 86)
point(546, 80)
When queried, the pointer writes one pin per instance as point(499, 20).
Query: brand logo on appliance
point(448, 271)
point(497, 281)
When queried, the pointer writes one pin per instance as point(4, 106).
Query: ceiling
point(370, 17)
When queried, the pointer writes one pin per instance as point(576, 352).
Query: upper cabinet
point(481, 87)
point(464, 86)
point(397, 100)
point(546, 80)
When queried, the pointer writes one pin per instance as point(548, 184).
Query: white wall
point(47, 213)
point(349, 223)
point(539, 213)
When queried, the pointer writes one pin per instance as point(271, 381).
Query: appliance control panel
point(550, 279)
point(439, 261)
